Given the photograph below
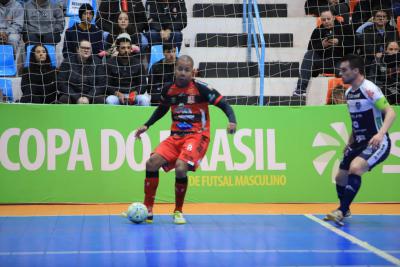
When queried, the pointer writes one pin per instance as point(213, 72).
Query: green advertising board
point(87, 153)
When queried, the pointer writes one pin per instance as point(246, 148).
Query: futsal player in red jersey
point(183, 150)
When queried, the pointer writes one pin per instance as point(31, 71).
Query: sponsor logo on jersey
point(358, 105)
point(370, 93)
point(191, 99)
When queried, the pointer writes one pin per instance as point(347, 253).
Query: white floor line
point(355, 240)
point(173, 251)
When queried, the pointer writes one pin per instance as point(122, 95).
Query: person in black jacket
point(82, 77)
point(328, 44)
point(364, 9)
point(161, 73)
point(126, 76)
point(109, 11)
point(124, 27)
point(83, 31)
point(167, 19)
point(374, 40)
point(388, 73)
point(38, 82)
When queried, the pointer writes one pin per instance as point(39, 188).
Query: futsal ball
point(137, 212)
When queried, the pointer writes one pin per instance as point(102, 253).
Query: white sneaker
point(335, 216)
point(178, 218)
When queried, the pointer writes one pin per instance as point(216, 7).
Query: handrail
point(259, 43)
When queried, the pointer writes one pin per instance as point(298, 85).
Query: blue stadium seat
point(73, 6)
point(6, 88)
point(157, 54)
point(52, 54)
point(7, 63)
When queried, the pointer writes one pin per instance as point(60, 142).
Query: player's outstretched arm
point(390, 116)
point(160, 111)
point(227, 109)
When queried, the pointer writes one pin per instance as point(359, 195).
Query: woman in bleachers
point(124, 26)
point(38, 83)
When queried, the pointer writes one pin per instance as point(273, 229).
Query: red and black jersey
point(189, 106)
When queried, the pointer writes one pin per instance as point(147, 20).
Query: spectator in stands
point(11, 22)
point(39, 81)
point(167, 18)
point(328, 44)
point(389, 73)
point(108, 17)
point(83, 31)
point(126, 76)
point(340, 9)
point(374, 40)
point(44, 22)
point(82, 77)
point(161, 73)
point(363, 11)
point(124, 27)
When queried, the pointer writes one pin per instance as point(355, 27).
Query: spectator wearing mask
point(374, 40)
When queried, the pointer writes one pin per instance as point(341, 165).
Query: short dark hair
point(167, 47)
point(122, 40)
point(83, 8)
point(355, 61)
point(325, 9)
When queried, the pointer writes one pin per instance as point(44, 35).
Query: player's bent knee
point(152, 164)
point(181, 168)
point(356, 169)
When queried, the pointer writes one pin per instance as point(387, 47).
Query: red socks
point(150, 189)
point(180, 192)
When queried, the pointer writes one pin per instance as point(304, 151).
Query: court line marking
point(355, 240)
point(188, 214)
point(173, 251)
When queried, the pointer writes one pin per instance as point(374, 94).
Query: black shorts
point(373, 156)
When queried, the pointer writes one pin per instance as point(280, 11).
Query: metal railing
point(259, 43)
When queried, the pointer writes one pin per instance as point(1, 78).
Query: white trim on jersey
point(384, 146)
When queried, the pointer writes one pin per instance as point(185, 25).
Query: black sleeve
point(157, 114)
point(227, 109)
point(215, 98)
point(316, 40)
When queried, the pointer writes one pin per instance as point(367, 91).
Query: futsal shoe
point(149, 218)
point(347, 215)
point(178, 218)
point(335, 216)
